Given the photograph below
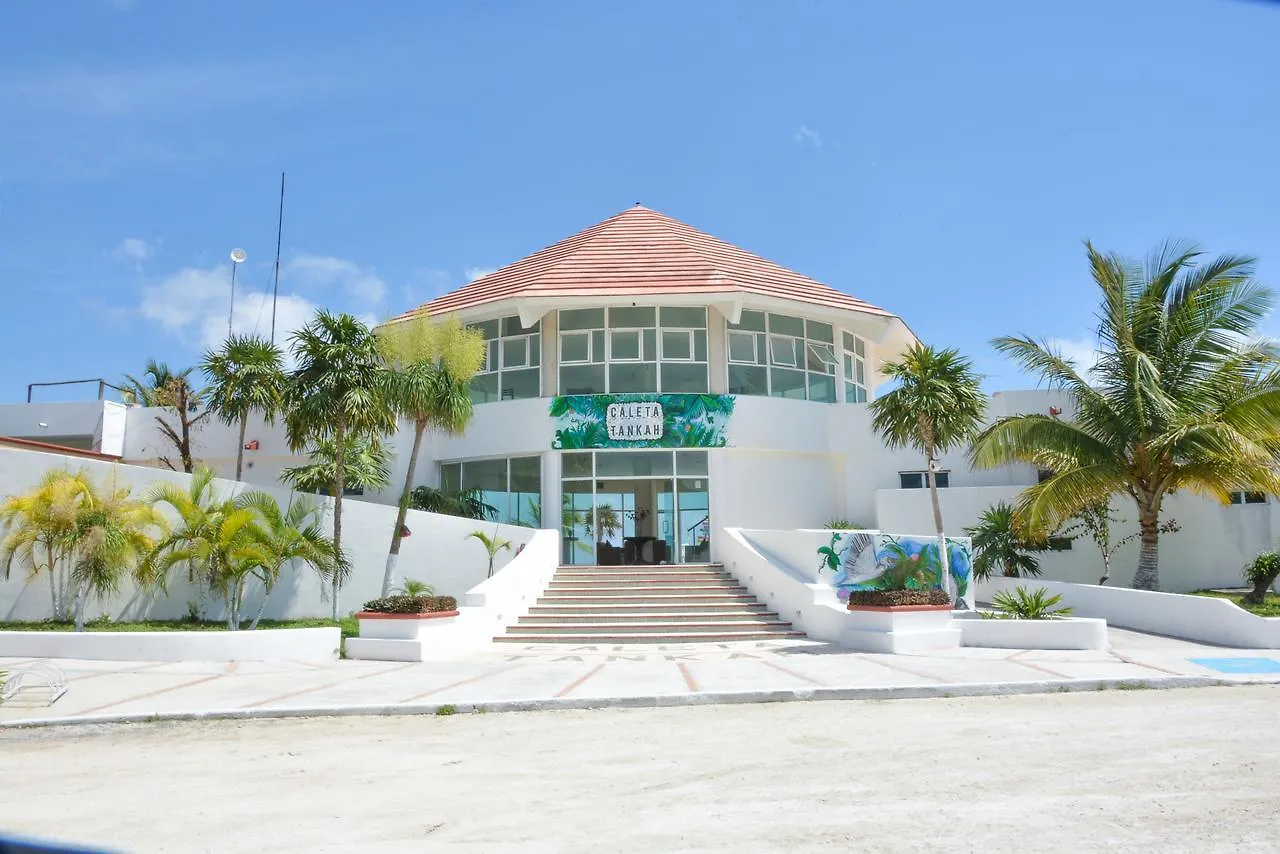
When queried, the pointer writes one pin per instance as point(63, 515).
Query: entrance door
point(694, 511)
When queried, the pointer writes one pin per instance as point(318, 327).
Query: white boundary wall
point(1198, 618)
point(437, 552)
point(317, 644)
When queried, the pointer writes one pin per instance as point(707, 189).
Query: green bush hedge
point(411, 604)
point(886, 598)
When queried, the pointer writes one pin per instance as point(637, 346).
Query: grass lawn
point(350, 628)
point(1269, 608)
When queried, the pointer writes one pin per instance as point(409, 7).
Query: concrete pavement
point(575, 676)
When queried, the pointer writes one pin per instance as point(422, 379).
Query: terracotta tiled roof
point(641, 252)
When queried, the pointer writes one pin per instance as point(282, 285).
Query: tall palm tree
point(1183, 396)
point(166, 389)
point(39, 529)
point(937, 406)
point(245, 376)
point(114, 535)
point(998, 546)
point(338, 390)
point(431, 370)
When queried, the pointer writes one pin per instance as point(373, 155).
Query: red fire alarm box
point(251, 445)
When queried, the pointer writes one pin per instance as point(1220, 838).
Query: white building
point(687, 386)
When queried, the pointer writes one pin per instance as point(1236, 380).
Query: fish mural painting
point(869, 560)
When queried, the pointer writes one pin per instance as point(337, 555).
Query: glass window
point(780, 324)
point(582, 379)
point(700, 345)
point(691, 463)
point(677, 346)
point(526, 490)
point(748, 379)
point(487, 328)
point(484, 388)
point(821, 358)
point(624, 345)
point(518, 385)
point(684, 377)
point(632, 317)
point(515, 348)
point(751, 321)
point(576, 465)
point(855, 369)
point(782, 350)
point(815, 331)
point(787, 383)
point(920, 479)
point(515, 353)
point(582, 318)
point(621, 464)
point(575, 347)
point(681, 317)
point(633, 377)
point(450, 477)
point(511, 326)
point(822, 388)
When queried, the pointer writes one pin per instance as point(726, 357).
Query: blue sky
point(943, 160)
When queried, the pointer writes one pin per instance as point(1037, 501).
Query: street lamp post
point(237, 258)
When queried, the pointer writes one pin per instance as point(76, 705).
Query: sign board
point(640, 421)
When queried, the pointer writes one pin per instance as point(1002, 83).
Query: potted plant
point(394, 628)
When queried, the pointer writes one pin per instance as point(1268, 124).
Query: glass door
point(694, 520)
point(576, 543)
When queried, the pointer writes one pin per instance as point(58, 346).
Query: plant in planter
point(1261, 572)
point(1022, 604)
point(409, 604)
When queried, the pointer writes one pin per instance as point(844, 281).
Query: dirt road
point(1188, 770)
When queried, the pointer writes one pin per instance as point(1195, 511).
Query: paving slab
point(513, 676)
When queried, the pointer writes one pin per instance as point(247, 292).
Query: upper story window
point(633, 349)
point(782, 356)
point(920, 479)
point(1248, 498)
point(855, 368)
point(512, 361)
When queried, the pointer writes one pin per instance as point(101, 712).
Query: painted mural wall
point(872, 560)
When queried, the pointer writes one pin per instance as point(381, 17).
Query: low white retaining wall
point(404, 637)
point(811, 606)
point(1198, 618)
point(1066, 633)
point(319, 644)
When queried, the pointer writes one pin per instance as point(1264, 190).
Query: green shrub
point(447, 709)
point(411, 604)
point(891, 598)
point(1022, 604)
point(1261, 572)
point(844, 525)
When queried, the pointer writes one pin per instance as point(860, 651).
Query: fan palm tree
point(366, 460)
point(166, 389)
point(336, 391)
point(938, 405)
point(467, 503)
point(998, 547)
point(1183, 396)
point(431, 370)
point(245, 376)
point(114, 535)
point(492, 545)
point(39, 529)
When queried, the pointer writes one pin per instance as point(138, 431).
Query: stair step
point(683, 636)
point(738, 615)
point(655, 567)
point(632, 577)
point(600, 627)
point(622, 597)
point(641, 589)
point(715, 606)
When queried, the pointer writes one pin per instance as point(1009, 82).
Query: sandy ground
point(1185, 770)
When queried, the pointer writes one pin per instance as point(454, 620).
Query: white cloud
point(193, 304)
point(134, 249)
point(473, 273)
point(326, 270)
point(806, 135)
point(1083, 352)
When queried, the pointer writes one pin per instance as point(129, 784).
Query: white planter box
point(905, 628)
point(401, 637)
point(320, 644)
point(1066, 633)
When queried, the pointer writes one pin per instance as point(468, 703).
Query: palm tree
point(467, 503)
point(938, 405)
point(432, 366)
point(1183, 396)
point(492, 545)
point(113, 536)
point(163, 388)
point(997, 545)
point(39, 529)
point(337, 391)
point(367, 462)
point(294, 534)
point(245, 376)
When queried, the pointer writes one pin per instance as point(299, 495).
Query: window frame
point(942, 477)
point(532, 338)
point(831, 354)
point(650, 347)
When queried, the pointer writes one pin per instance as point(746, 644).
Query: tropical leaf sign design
point(867, 561)
point(640, 421)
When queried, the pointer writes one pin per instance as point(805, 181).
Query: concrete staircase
point(646, 604)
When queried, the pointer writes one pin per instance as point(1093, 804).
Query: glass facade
point(512, 364)
point(512, 486)
point(784, 356)
point(634, 349)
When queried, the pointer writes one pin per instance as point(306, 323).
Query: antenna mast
point(275, 288)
